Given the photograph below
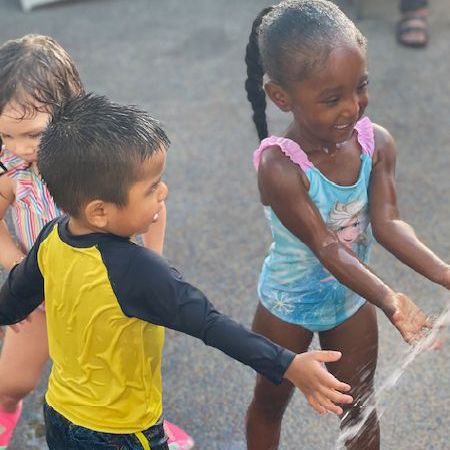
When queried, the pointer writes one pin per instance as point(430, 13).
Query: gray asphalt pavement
point(183, 61)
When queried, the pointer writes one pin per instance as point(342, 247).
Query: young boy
point(107, 299)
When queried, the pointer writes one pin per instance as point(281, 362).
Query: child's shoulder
point(381, 134)
point(280, 158)
point(135, 271)
point(125, 257)
point(11, 162)
point(7, 189)
point(384, 142)
point(8, 181)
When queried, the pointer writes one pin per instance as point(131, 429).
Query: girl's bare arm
point(10, 254)
point(389, 230)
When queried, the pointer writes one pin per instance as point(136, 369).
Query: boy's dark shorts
point(62, 434)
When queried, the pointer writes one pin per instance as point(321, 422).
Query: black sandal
point(412, 23)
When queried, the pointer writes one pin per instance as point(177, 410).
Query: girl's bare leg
point(22, 359)
point(263, 423)
point(357, 339)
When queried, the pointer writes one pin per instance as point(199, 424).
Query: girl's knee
point(361, 414)
point(270, 399)
point(15, 388)
point(10, 400)
point(15, 392)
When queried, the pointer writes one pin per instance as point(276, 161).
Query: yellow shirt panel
point(107, 375)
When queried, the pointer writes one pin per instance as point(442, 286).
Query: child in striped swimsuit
point(35, 75)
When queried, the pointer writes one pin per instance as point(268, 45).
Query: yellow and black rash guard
point(107, 301)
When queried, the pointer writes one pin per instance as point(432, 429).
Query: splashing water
point(371, 403)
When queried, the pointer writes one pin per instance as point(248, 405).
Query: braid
point(288, 42)
point(255, 73)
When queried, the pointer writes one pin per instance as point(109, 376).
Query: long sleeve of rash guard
point(149, 289)
point(23, 291)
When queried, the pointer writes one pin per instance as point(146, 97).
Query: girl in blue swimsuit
point(328, 189)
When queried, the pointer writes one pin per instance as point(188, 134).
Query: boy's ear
point(278, 95)
point(96, 213)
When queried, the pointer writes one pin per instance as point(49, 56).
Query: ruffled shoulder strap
point(290, 148)
point(366, 139)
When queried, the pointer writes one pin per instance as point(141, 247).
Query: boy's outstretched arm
point(389, 230)
point(151, 290)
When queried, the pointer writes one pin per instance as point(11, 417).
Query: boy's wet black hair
point(37, 74)
point(94, 149)
point(288, 42)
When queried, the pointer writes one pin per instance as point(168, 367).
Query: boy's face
point(145, 199)
point(21, 131)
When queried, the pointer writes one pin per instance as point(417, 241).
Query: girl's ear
point(278, 95)
point(96, 213)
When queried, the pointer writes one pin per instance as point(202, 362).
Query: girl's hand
point(322, 390)
point(409, 319)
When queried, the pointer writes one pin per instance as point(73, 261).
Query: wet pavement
point(183, 61)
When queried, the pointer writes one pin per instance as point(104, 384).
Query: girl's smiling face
point(327, 104)
point(21, 130)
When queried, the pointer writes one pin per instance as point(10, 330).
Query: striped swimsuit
point(33, 206)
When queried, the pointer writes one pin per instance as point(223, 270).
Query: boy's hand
point(322, 390)
point(409, 319)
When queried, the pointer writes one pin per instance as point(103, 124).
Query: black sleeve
point(149, 289)
point(23, 290)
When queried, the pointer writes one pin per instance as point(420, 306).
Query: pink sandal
point(178, 438)
point(8, 422)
